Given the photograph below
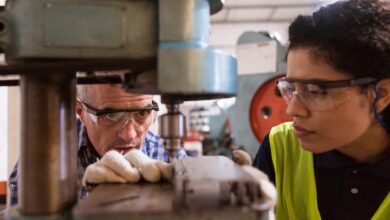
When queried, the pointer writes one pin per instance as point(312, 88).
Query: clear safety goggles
point(319, 95)
point(141, 118)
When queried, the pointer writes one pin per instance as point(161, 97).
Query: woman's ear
point(383, 87)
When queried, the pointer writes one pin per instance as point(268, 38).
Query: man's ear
point(79, 111)
point(383, 87)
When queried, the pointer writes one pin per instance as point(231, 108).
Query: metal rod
point(36, 67)
point(48, 162)
point(172, 129)
point(80, 80)
point(9, 82)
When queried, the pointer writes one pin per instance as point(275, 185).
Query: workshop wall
point(3, 134)
point(13, 126)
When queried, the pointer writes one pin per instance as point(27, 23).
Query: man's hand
point(116, 168)
point(267, 189)
point(150, 169)
point(145, 165)
point(242, 157)
point(97, 173)
point(112, 168)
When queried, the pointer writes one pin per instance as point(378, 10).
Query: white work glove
point(166, 170)
point(242, 157)
point(112, 168)
point(116, 168)
point(267, 189)
point(151, 170)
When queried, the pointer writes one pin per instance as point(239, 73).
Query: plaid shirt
point(87, 155)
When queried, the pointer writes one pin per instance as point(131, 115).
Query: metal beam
point(257, 21)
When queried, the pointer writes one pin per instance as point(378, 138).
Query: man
point(110, 119)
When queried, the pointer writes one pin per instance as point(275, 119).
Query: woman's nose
point(295, 107)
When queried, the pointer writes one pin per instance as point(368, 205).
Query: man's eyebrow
point(124, 109)
point(146, 106)
point(149, 105)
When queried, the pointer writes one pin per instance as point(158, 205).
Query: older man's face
point(121, 132)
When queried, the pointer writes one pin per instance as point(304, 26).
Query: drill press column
point(172, 129)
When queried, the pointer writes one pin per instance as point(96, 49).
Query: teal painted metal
point(247, 87)
point(188, 67)
point(79, 29)
point(174, 32)
point(216, 5)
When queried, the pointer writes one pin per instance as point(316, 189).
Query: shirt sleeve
point(263, 159)
point(181, 153)
point(13, 185)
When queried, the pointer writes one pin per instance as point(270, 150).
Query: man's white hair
point(85, 93)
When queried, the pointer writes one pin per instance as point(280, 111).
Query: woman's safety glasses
point(319, 95)
point(119, 118)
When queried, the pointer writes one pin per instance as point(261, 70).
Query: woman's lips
point(302, 132)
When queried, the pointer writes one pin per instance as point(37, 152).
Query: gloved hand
point(151, 170)
point(242, 157)
point(116, 168)
point(112, 168)
point(267, 189)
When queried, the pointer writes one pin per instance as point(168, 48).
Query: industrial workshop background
point(266, 19)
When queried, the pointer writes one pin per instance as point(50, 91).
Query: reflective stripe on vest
point(295, 180)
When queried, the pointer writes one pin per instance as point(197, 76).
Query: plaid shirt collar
point(86, 152)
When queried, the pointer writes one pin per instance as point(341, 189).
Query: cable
point(377, 115)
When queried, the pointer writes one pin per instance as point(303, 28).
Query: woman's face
point(340, 126)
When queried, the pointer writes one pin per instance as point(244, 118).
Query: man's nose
point(128, 131)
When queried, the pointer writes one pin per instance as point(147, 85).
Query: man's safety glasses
point(119, 118)
point(319, 95)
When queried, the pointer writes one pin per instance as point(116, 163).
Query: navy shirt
point(346, 189)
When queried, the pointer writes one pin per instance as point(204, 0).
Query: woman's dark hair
point(351, 36)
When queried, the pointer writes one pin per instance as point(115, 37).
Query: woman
point(333, 160)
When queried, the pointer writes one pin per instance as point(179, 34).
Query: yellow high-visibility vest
point(295, 180)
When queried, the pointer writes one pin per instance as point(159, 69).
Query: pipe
point(48, 162)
